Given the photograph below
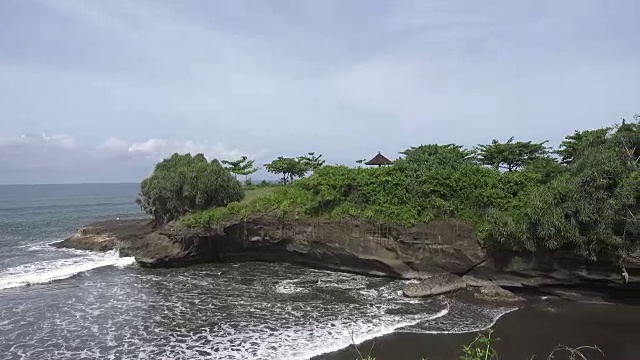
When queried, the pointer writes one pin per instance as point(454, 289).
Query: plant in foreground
point(481, 348)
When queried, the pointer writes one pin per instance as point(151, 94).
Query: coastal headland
point(502, 222)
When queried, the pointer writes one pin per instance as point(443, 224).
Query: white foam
point(47, 271)
point(43, 245)
point(463, 318)
point(187, 315)
point(333, 342)
point(289, 287)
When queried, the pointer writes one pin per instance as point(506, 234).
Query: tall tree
point(579, 141)
point(437, 155)
point(289, 168)
point(242, 166)
point(311, 161)
point(510, 155)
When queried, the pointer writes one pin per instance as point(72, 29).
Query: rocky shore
point(441, 256)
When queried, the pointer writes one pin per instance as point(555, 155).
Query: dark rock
point(495, 294)
point(354, 246)
point(553, 268)
point(449, 247)
point(107, 235)
point(434, 285)
point(476, 282)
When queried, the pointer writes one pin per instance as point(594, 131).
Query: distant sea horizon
point(74, 183)
point(108, 183)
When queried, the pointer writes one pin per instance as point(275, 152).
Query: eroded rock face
point(411, 253)
point(434, 285)
point(438, 247)
point(553, 268)
point(367, 248)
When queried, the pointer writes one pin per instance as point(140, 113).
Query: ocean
point(69, 304)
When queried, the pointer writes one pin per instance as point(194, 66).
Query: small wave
point(334, 342)
point(47, 271)
point(463, 318)
point(288, 287)
point(39, 246)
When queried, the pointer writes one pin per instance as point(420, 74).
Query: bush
point(185, 183)
point(589, 207)
point(588, 204)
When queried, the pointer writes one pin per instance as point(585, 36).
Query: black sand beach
point(534, 330)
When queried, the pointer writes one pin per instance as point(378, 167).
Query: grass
point(215, 216)
point(252, 194)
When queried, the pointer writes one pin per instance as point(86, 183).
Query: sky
point(99, 91)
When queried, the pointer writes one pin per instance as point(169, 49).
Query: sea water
point(70, 304)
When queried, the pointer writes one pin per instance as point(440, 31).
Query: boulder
point(475, 281)
point(434, 285)
point(495, 293)
point(107, 235)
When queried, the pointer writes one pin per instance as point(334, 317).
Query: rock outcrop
point(446, 247)
point(434, 285)
point(553, 268)
point(108, 235)
point(495, 293)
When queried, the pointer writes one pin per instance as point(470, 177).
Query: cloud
point(54, 155)
point(155, 148)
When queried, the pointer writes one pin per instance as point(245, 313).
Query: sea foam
point(52, 270)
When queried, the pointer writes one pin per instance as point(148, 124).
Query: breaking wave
point(43, 272)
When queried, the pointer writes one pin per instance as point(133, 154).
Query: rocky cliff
point(354, 246)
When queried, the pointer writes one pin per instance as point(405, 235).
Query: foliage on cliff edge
point(586, 201)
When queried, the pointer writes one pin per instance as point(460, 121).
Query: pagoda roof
point(379, 160)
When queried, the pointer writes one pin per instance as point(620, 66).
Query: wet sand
point(534, 330)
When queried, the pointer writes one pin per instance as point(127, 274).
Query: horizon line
point(78, 183)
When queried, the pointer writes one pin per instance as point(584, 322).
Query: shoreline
point(573, 282)
point(541, 313)
point(534, 330)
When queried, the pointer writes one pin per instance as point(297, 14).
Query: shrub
point(590, 207)
point(185, 183)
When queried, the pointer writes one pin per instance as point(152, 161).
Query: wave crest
point(43, 272)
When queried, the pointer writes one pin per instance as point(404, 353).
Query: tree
point(311, 161)
point(437, 155)
point(579, 141)
point(544, 168)
point(510, 155)
point(288, 167)
point(185, 183)
point(242, 166)
point(592, 208)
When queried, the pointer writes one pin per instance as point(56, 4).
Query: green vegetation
point(242, 166)
point(510, 155)
point(288, 167)
point(519, 195)
point(254, 193)
point(291, 168)
point(590, 207)
point(185, 183)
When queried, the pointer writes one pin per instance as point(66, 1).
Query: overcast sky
point(98, 91)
